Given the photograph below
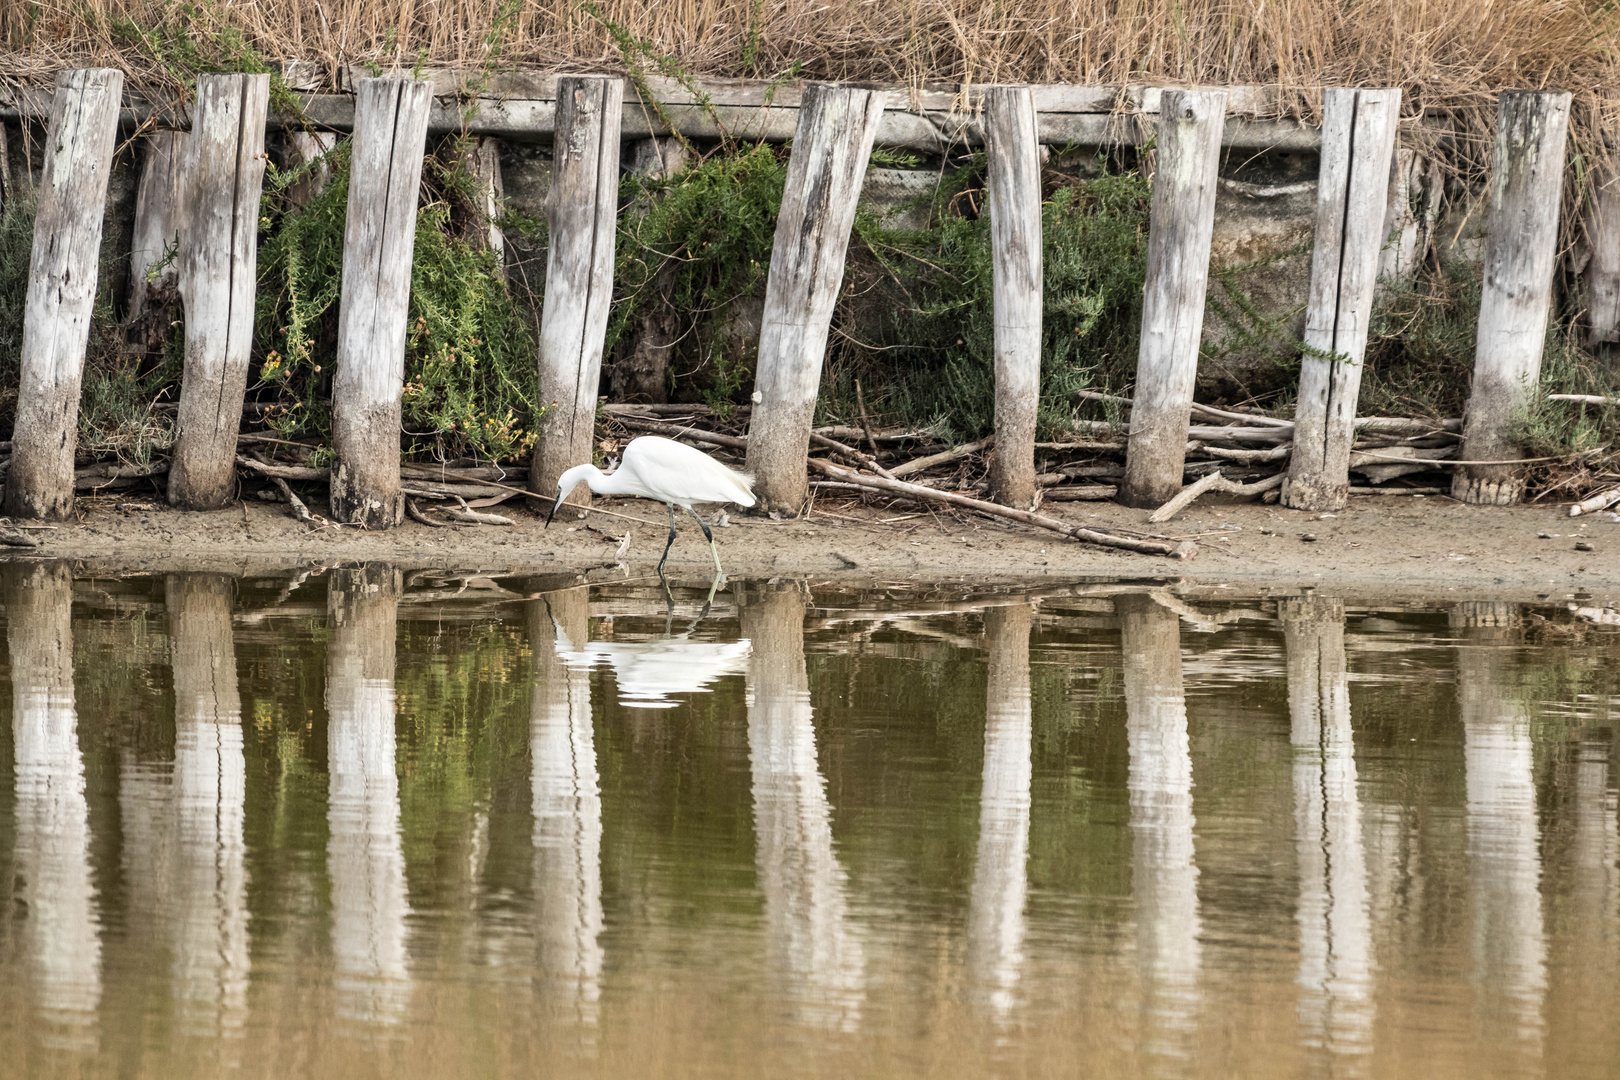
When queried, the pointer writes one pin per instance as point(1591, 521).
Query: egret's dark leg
point(670, 542)
point(708, 535)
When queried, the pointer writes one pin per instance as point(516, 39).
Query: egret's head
point(566, 483)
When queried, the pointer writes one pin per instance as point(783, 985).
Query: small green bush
point(919, 328)
point(470, 357)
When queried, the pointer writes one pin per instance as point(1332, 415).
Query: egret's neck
point(590, 476)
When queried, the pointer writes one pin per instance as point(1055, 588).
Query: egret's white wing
point(673, 472)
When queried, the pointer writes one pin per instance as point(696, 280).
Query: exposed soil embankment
point(1378, 545)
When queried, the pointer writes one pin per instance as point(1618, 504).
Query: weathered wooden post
point(1602, 272)
point(219, 277)
point(582, 209)
point(62, 275)
point(483, 161)
point(1183, 222)
point(158, 211)
point(379, 240)
point(1352, 197)
point(309, 148)
point(1015, 248)
point(1527, 181)
point(831, 145)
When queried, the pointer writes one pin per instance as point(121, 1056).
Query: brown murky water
point(366, 823)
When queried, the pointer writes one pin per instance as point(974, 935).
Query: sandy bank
point(1393, 546)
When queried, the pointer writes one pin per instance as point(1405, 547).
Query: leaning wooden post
point(62, 291)
point(582, 209)
point(379, 240)
point(159, 202)
point(1520, 245)
point(1352, 198)
point(1183, 221)
point(830, 148)
point(1015, 249)
point(219, 275)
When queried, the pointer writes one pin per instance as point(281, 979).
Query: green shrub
point(470, 356)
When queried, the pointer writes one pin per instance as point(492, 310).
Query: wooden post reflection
point(1503, 838)
point(1335, 952)
point(1000, 881)
point(567, 806)
point(61, 931)
point(209, 902)
point(811, 944)
point(1164, 877)
point(365, 859)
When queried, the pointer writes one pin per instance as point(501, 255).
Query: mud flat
point(1378, 546)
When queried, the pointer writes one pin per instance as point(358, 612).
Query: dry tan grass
point(1449, 56)
point(1445, 53)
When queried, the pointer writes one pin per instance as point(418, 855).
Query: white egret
point(668, 472)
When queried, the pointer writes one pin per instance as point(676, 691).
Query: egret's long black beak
point(553, 511)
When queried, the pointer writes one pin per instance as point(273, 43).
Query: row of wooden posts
point(222, 171)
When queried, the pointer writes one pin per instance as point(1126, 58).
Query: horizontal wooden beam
point(521, 105)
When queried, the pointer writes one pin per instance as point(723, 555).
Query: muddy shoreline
point(1378, 547)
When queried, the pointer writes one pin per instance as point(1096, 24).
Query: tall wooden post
point(158, 209)
point(219, 280)
point(1521, 242)
point(62, 291)
point(1015, 251)
point(379, 240)
point(830, 149)
point(582, 209)
point(1183, 222)
point(1352, 197)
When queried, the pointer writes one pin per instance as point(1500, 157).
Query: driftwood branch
point(1174, 549)
point(1213, 482)
point(299, 510)
point(852, 453)
point(415, 513)
point(945, 457)
point(1593, 503)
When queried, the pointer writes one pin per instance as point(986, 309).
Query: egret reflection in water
point(649, 674)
